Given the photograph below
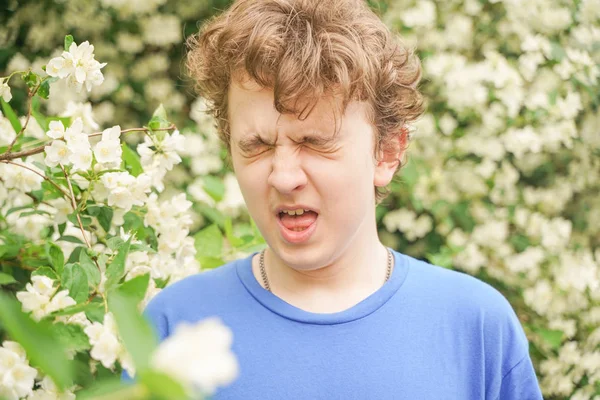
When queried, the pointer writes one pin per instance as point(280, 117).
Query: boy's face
point(283, 163)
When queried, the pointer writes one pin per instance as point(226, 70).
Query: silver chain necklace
point(263, 273)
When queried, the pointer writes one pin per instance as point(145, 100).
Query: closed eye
point(253, 146)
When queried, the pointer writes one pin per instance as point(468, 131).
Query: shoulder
point(475, 304)
point(195, 296)
point(464, 296)
point(200, 284)
point(455, 287)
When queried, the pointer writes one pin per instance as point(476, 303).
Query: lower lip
point(297, 237)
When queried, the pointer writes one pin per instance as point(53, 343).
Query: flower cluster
point(74, 148)
point(504, 165)
point(199, 356)
point(77, 66)
point(106, 345)
point(41, 299)
point(16, 376)
point(159, 154)
point(122, 190)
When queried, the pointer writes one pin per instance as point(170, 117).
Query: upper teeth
point(295, 212)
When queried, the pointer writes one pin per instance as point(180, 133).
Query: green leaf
point(72, 336)
point(68, 41)
point(77, 308)
point(41, 119)
point(72, 239)
point(105, 218)
point(210, 262)
point(135, 287)
point(104, 215)
point(112, 388)
point(6, 279)
point(15, 209)
point(115, 242)
point(162, 385)
point(85, 220)
point(44, 90)
point(551, 336)
point(96, 314)
point(233, 240)
point(11, 115)
point(443, 259)
point(159, 120)
point(209, 242)
point(211, 214)
point(131, 160)
point(55, 256)
point(137, 334)
point(142, 247)
point(116, 269)
point(31, 79)
point(90, 269)
point(214, 186)
point(38, 340)
point(75, 280)
point(46, 271)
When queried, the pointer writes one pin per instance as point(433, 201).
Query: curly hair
point(303, 49)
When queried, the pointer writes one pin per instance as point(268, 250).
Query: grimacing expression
point(288, 166)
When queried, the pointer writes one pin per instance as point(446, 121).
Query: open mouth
point(297, 225)
point(297, 220)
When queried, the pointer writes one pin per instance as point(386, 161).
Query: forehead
point(251, 109)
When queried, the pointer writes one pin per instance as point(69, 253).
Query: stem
point(11, 156)
point(74, 204)
point(30, 95)
point(35, 172)
point(13, 73)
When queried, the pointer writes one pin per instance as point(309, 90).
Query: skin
point(281, 160)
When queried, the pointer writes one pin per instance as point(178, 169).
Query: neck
point(347, 279)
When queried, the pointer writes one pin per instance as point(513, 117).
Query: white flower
point(423, 15)
point(108, 150)
point(38, 297)
point(74, 133)
point(124, 190)
point(49, 391)
point(199, 356)
point(59, 301)
point(57, 130)
point(57, 153)
point(81, 158)
point(7, 133)
point(78, 66)
point(21, 178)
point(5, 91)
point(16, 376)
point(81, 110)
point(161, 30)
point(106, 346)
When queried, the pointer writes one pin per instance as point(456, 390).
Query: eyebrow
point(247, 144)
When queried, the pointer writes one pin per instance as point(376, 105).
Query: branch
point(36, 150)
point(74, 204)
point(35, 172)
point(31, 93)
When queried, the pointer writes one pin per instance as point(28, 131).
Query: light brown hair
point(303, 49)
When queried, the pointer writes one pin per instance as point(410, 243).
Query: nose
point(287, 175)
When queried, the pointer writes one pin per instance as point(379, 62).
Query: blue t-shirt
point(427, 333)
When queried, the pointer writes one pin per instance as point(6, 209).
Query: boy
point(312, 99)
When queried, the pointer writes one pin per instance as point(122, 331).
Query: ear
point(389, 156)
